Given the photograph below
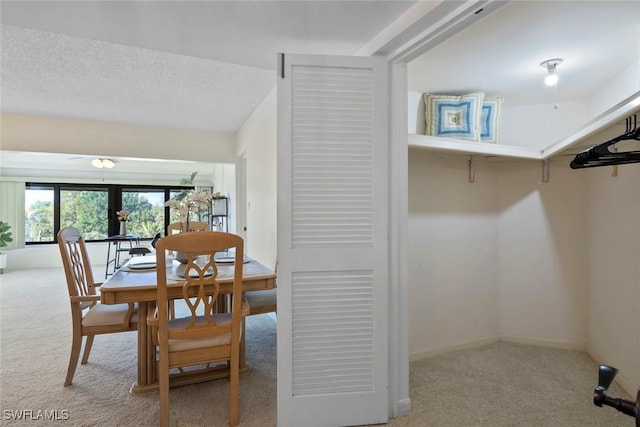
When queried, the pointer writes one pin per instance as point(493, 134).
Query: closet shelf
point(472, 148)
point(609, 118)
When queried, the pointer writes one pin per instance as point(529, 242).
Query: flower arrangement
point(123, 215)
point(189, 205)
point(218, 195)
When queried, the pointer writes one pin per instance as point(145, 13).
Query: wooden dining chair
point(206, 334)
point(145, 250)
point(263, 301)
point(260, 302)
point(176, 227)
point(88, 316)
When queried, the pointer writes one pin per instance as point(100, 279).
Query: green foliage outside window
point(147, 217)
point(85, 210)
point(39, 222)
point(91, 208)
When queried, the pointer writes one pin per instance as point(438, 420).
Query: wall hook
point(472, 169)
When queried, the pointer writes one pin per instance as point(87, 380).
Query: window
point(87, 210)
point(38, 214)
point(91, 208)
point(147, 211)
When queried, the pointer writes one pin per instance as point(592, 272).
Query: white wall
point(613, 269)
point(56, 135)
point(624, 85)
point(257, 139)
point(542, 241)
point(538, 126)
point(46, 256)
point(417, 121)
point(510, 257)
point(224, 177)
point(453, 253)
point(502, 257)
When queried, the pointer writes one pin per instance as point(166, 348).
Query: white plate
point(143, 266)
point(142, 262)
point(230, 260)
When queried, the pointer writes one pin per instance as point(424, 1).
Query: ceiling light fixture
point(103, 163)
point(552, 77)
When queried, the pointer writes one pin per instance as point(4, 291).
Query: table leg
point(146, 379)
point(150, 352)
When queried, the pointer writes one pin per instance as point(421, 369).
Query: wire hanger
point(601, 155)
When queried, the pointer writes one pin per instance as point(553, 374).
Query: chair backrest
point(77, 267)
point(176, 227)
point(201, 289)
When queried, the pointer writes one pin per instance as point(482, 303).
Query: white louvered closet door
point(332, 241)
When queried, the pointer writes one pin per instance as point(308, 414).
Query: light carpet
point(507, 384)
point(36, 341)
point(500, 384)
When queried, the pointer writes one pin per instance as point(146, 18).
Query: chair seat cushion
point(213, 341)
point(264, 298)
point(107, 314)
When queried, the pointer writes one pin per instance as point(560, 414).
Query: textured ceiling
point(57, 75)
point(201, 65)
point(238, 32)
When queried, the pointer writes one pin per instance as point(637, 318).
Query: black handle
point(638, 408)
point(606, 374)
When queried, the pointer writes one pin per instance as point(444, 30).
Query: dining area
point(135, 282)
point(186, 305)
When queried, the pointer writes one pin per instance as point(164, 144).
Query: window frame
point(114, 203)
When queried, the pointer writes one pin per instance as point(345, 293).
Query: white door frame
point(399, 399)
point(241, 196)
point(417, 32)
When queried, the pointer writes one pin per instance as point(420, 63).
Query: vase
point(123, 228)
point(182, 257)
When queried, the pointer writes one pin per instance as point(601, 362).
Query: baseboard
point(564, 345)
point(620, 379)
point(512, 339)
point(448, 348)
point(403, 407)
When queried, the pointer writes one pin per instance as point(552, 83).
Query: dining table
point(139, 285)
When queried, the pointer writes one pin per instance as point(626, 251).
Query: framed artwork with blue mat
point(453, 116)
